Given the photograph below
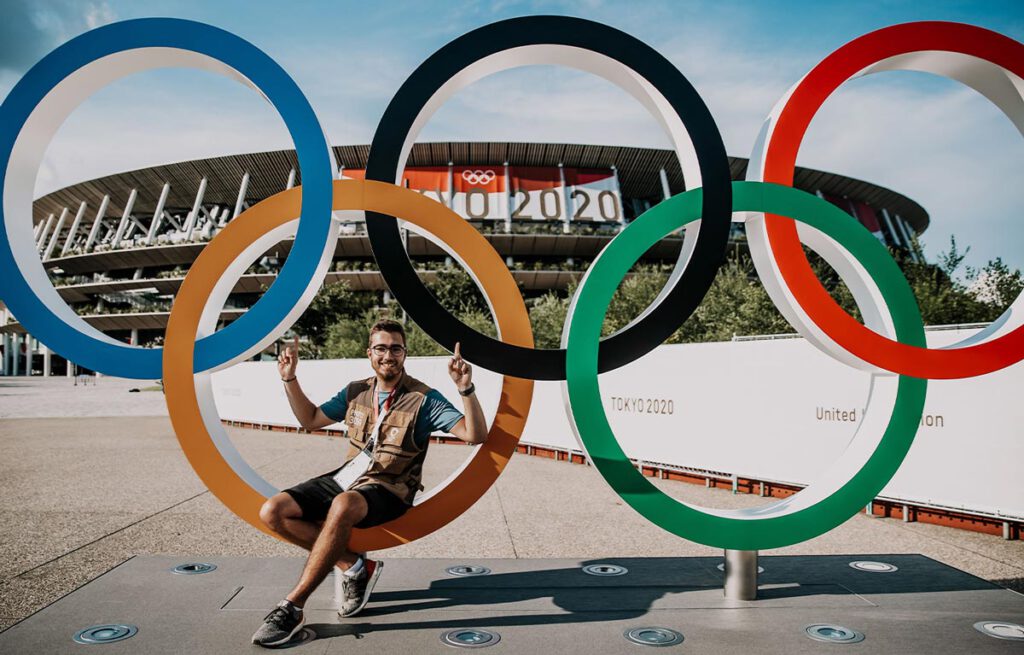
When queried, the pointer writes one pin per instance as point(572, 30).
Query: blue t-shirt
point(435, 415)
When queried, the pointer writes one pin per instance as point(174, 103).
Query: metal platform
point(539, 606)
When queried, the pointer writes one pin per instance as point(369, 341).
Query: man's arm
point(473, 427)
point(310, 416)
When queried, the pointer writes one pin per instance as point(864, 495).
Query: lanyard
point(378, 417)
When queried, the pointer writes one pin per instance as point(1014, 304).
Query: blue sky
point(933, 140)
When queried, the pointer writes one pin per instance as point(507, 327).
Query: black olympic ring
point(399, 120)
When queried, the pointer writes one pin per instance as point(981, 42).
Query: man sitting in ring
point(389, 419)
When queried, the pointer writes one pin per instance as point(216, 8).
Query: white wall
point(754, 408)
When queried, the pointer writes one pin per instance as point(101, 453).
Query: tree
point(331, 306)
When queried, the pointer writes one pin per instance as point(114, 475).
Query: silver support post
point(896, 239)
point(74, 229)
point(741, 574)
point(44, 232)
point(158, 215)
point(291, 179)
point(906, 237)
point(16, 351)
point(1006, 530)
point(242, 190)
point(95, 231)
point(193, 216)
point(618, 195)
point(566, 229)
point(508, 202)
point(47, 362)
point(123, 225)
point(666, 192)
point(8, 347)
point(56, 233)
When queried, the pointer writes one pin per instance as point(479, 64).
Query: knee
point(272, 514)
point(347, 508)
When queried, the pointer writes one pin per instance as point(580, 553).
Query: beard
point(389, 373)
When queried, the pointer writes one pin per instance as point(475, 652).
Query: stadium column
point(47, 361)
point(123, 225)
point(94, 232)
point(565, 200)
point(893, 234)
point(618, 195)
point(73, 230)
point(44, 232)
point(158, 214)
point(508, 204)
point(56, 233)
point(16, 352)
point(7, 353)
point(242, 190)
point(193, 216)
point(906, 238)
point(666, 192)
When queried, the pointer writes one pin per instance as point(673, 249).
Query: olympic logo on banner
point(890, 346)
point(478, 177)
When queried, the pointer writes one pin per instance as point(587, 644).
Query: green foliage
point(547, 318)
point(736, 304)
point(332, 305)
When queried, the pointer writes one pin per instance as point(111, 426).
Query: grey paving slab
point(84, 494)
point(535, 608)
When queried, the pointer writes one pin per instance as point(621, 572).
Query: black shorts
point(315, 497)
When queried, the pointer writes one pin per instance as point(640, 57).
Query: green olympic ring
point(737, 529)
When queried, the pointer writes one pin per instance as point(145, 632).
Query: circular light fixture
point(194, 568)
point(470, 638)
point(874, 567)
point(105, 634)
point(834, 634)
point(1001, 630)
point(466, 570)
point(654, 636)
point(605, 570)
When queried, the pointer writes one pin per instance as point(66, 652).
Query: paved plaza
point(89, 483)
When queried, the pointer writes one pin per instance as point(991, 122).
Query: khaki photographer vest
point(397, 460)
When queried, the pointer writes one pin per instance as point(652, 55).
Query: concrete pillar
point(47, 362)
point(73, 230)
point(70, 370)
point(135, 337)
point(56, 234)
point(16, 351)
point(7, 354)
point(97, 224)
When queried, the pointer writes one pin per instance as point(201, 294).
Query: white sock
point(354, 570)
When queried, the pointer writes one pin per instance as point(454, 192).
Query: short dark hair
point(388, 325)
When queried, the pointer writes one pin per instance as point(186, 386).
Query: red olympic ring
point(779, 163)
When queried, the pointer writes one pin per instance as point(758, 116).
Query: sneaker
point(356, 589)
point(280, 625)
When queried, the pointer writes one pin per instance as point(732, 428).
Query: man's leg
point(284, 516)
point(330, 548)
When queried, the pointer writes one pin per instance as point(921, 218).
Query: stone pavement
point(83, 495)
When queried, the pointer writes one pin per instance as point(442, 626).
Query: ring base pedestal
point(741, 574)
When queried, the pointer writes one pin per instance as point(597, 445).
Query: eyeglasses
point(395, 350)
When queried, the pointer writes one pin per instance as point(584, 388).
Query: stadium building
point(117, 248)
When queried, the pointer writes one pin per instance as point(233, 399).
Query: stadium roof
point(638, 170)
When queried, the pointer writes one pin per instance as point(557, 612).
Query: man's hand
point(460, 370)
point(288, 360)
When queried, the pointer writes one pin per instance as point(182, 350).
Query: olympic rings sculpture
point(890, 342)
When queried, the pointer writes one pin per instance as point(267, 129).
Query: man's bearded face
point(387, 355)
